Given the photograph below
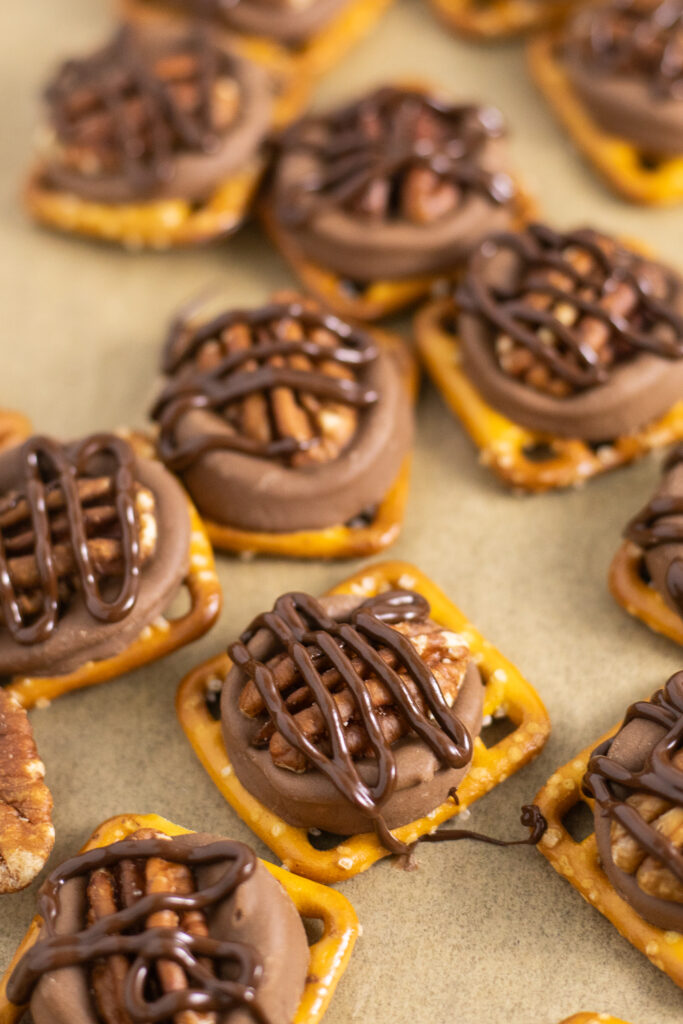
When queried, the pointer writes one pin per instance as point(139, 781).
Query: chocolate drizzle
point(224, 975)
point(139, 107)
point(633, 38)
point(48, 508)
point(559, 304)
point(303, 632)
point(652, 528)
point(264, 364)
point(610, 782)
point(368, 148)
point(530, 818)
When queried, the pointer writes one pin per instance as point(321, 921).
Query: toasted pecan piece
point(26, 831)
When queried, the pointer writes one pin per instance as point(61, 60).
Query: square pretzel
point(378, 299)
point(329, 955)
point(507, 692)
point(579, 863)
point(525, 459)
point(341, 540)
point(159, 638)
point(639, 598)
point(498, 19)
point(176, 223)
point(14, 428)
point(621, 163)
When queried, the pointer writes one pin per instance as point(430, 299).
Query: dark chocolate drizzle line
point(659, 776)
point(530, 818)
point(376, 138)
point(299, 623)
point(124, 933)
point(630, 38)
point(541, 249)
point(648, 530)
point(213, 390)
point(122, 73)
point(48, 466)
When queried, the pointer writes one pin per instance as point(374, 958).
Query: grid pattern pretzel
point(578, 862)
point(639, 598)
point(319, 53)
point(525, 459)
point(621, 163)
point(498, 19)
point(340, 541)
point(167, 223)
point(506, 691)
point(375, 300)
point(329, 955)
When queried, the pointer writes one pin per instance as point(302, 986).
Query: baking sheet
point(477, 935)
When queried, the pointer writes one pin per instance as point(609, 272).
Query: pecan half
point(107, 893)
point(26, 831)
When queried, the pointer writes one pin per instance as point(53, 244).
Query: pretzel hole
point(354, 289)
point(578, 821)
point(314, 928)
point(496, 730)
point(539, 451)
point(324, 841)
point(180, 605)
point(649, 162)
point(212, 698)
point(644, 572)
point(363, 519)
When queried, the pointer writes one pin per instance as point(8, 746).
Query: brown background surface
point(477, 935)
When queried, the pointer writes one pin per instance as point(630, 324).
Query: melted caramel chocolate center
point(659, 777)
point(47, 468)
point(559, 306)
point(649, 530)
point(369, 147)
point(271, 359)
point(137, 109)
point(301, 629)
point(232, 984)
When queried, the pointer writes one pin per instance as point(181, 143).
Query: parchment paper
point(477, 935)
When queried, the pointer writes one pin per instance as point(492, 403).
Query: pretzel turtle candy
point(580, 864)
point(507, 694)
point(499, 19)
point(526, 459)
point(369, 300)
point(630, 171)
point(158, 639)
point(169, 222)
point(27, 834)
point(364, 536)
point(651, 535)
point(329, 954)
point(14, 427)
point(313, 57)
